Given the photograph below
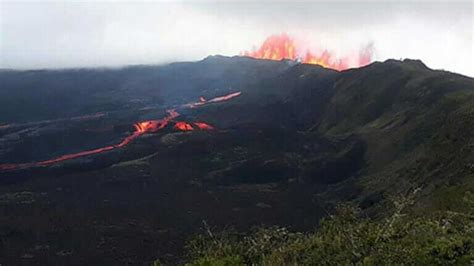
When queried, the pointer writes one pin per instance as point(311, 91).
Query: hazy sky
point(41, 34)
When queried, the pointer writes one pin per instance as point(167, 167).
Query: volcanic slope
point(298, 140)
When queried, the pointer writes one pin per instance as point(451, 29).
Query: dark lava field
point(122, 166)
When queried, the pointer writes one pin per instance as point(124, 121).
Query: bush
point(345, 238)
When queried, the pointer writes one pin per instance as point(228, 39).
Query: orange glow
point(275, 47)
point(183, 126)
point(225, 98)
point(140, 129)
point(278, 47)
point(204, 126)
point(155, 125)
point(213, 100)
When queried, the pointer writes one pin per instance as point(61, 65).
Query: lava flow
point(202, 125)
point(203, 101)
point(183, 126)
point(278, 47)
point(140, 129)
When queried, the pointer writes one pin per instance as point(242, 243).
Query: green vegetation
point(346, 238)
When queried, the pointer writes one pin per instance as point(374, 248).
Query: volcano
point(129, 162)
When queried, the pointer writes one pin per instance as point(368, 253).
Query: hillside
point(296, 143)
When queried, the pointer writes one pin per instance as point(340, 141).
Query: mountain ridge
point(298, 141)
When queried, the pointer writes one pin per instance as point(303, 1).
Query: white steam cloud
point(88, 34)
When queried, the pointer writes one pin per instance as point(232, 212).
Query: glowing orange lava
point(278, 47)
point(140, 129)
point(202, 125)
point(183, 126)
point(225, 97)
point(214, 100)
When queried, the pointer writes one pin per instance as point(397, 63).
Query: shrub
point(345, 238)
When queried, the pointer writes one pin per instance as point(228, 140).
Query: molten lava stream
point(140, 129)
point(183, 126)
point(202, 125)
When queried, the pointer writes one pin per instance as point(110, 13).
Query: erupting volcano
point(278, 47)
point(140, 129)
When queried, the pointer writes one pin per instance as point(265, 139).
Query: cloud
point(72, 34)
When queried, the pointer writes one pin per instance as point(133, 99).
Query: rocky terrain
point(298, 140)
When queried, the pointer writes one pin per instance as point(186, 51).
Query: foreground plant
point(346, 238)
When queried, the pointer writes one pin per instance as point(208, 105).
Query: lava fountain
point(278, 47)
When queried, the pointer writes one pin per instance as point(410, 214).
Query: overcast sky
point(56, 34)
